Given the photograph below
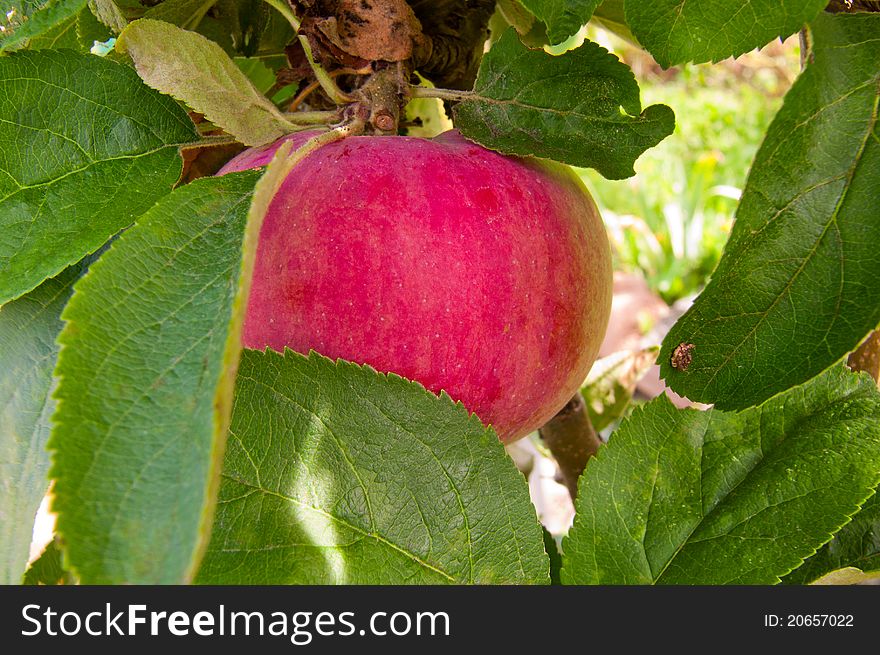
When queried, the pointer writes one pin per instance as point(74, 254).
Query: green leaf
point(690, 497)
point(562, 17)
point(147, 362)
point(847, 576)
point(798, 285)
point(183, 13)
point(260, 75)
point(27, 23)
point(195, 70)
point(87, 149)
point(48, 568)
point(338, 474)
point(515, 15)
point(63, 35)
point(554, 555)
point(89, 30)
point(109, 13)
point(676, 31)
point(28, 328)
point(855, 547)
point(611, 383)
point(610, 15)
point(567, 107)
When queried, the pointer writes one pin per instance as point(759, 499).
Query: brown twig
point(385, 93)
point(306, 92)
point(571, 438)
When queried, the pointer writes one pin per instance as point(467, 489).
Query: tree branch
point(453, 35)
point(571, 438)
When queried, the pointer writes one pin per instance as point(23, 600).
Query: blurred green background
point(671, 220)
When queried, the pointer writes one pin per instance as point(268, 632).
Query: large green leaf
point(581, 108)
point(195, 70)
point(147, 364)
point(28, 328)
point(562, 17)
point(690, 497)
point(27, 20)
point(678, 31)
point(799, 283)
point(337, 474)
point(86, 148)
point(856, 546)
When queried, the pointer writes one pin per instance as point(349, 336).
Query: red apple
point(484, 276)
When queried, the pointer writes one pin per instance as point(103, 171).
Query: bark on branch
point(571, 438)
point(454, 32)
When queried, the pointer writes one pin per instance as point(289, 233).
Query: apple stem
point(573, 441)
point(443, 94)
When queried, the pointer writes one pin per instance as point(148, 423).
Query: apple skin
point(481, 275)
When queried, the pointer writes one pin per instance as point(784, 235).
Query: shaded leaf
point(87, 149)
point(147, 363)
point(183, 13)
point(260, 75)
point(610, 15)
point(63, 35)
point(195, 70)
point(676, 31)
point(516, 16)
point(511, 13)
point(30, 20)
point(110, 13)
point(89, 30)
point(28, 328)
point(798, 285)
point(338, 474)
point(554, 555)
point(48, 568)
point(562, 17)
point(856, 548)
point(690, 497)
point(567, 107)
